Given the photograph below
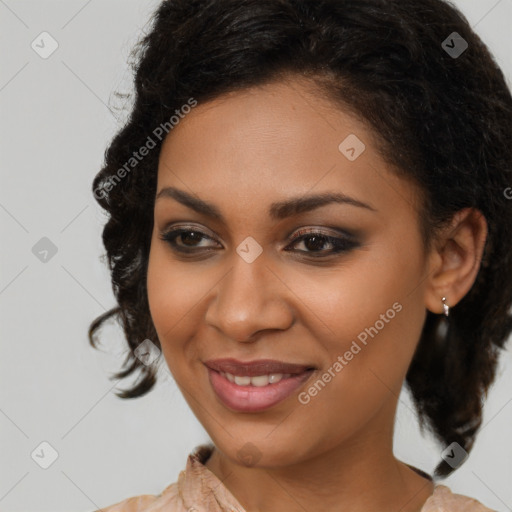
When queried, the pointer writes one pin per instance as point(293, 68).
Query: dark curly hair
point(442, 120)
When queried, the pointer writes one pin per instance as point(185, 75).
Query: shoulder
point(188, 487)
point(444, 500)
point(166, 501)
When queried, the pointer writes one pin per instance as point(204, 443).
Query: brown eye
point(190, 239)
point(314, 241)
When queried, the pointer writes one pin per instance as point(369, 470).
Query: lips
point(251, 398)
point(257, 367)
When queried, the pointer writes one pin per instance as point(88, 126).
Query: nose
point(249, 299)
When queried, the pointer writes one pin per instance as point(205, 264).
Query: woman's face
point(262, 280)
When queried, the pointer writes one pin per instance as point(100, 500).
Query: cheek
point(176, 293)
point(363, 372)
point(370, 314)
point(365, 293)
point(170, 300)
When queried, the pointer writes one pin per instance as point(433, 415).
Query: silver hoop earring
point(446, 308)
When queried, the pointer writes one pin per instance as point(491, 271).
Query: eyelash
point(340, 244)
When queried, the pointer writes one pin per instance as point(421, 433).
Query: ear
point(454, 260)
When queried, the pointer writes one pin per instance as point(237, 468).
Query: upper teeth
point(257, 380)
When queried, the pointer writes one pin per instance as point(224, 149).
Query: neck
point(358, 475)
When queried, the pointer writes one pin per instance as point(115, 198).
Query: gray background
point(57, 116)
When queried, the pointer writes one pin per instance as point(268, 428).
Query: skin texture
point(243, 152)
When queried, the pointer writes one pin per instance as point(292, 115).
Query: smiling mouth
point(252, 390)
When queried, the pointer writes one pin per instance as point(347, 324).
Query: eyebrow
point(277, 211)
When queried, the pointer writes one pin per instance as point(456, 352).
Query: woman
point(308, 207)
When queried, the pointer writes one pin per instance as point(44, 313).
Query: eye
point(313, 240)
point(189, 237)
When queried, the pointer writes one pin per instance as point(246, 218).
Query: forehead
point(274, 141)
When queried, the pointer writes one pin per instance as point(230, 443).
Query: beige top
point(199, 490)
